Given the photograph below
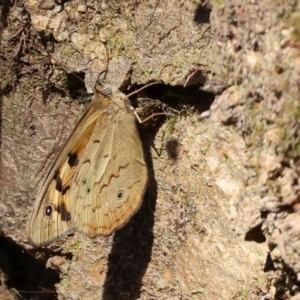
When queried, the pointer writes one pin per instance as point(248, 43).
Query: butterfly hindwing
point(110, 181)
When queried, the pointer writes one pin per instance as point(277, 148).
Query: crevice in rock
point(76, 87)
point(176, 97)
point(27, 275)
point(255, 234)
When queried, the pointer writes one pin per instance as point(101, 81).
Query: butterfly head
point(107, 91)
point(104, 89)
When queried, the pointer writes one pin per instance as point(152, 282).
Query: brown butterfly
point(98, 179)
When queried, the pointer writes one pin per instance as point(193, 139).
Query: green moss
point(220, 4)
point(295, 22)
point(288, 122)
point(170, 125)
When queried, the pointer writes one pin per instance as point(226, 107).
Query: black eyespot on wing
point(73, 160)
point(120, 195)
point(58, 181)
point(48, 211)
point(88, 190)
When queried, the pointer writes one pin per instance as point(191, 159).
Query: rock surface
point(204, 179)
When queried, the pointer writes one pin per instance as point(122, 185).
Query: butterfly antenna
point(105, 71)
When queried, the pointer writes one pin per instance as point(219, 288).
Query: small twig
point(62, 64)
point(137, 91)
point(150, 117)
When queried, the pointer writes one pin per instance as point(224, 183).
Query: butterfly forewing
point(51, 218)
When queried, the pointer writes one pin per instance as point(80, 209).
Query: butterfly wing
point(51, 217)
point(110, 180)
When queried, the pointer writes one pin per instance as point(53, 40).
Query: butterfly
point(97, 181)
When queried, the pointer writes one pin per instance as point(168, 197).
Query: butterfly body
point(98, 179)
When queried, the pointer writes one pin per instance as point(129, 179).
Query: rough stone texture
point(180, 245)
point(260, 42)
point(151, 40)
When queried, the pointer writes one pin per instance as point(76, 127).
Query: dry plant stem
point(62, 64)
point(148, 118)
point(153, 115)
point(142, 88)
